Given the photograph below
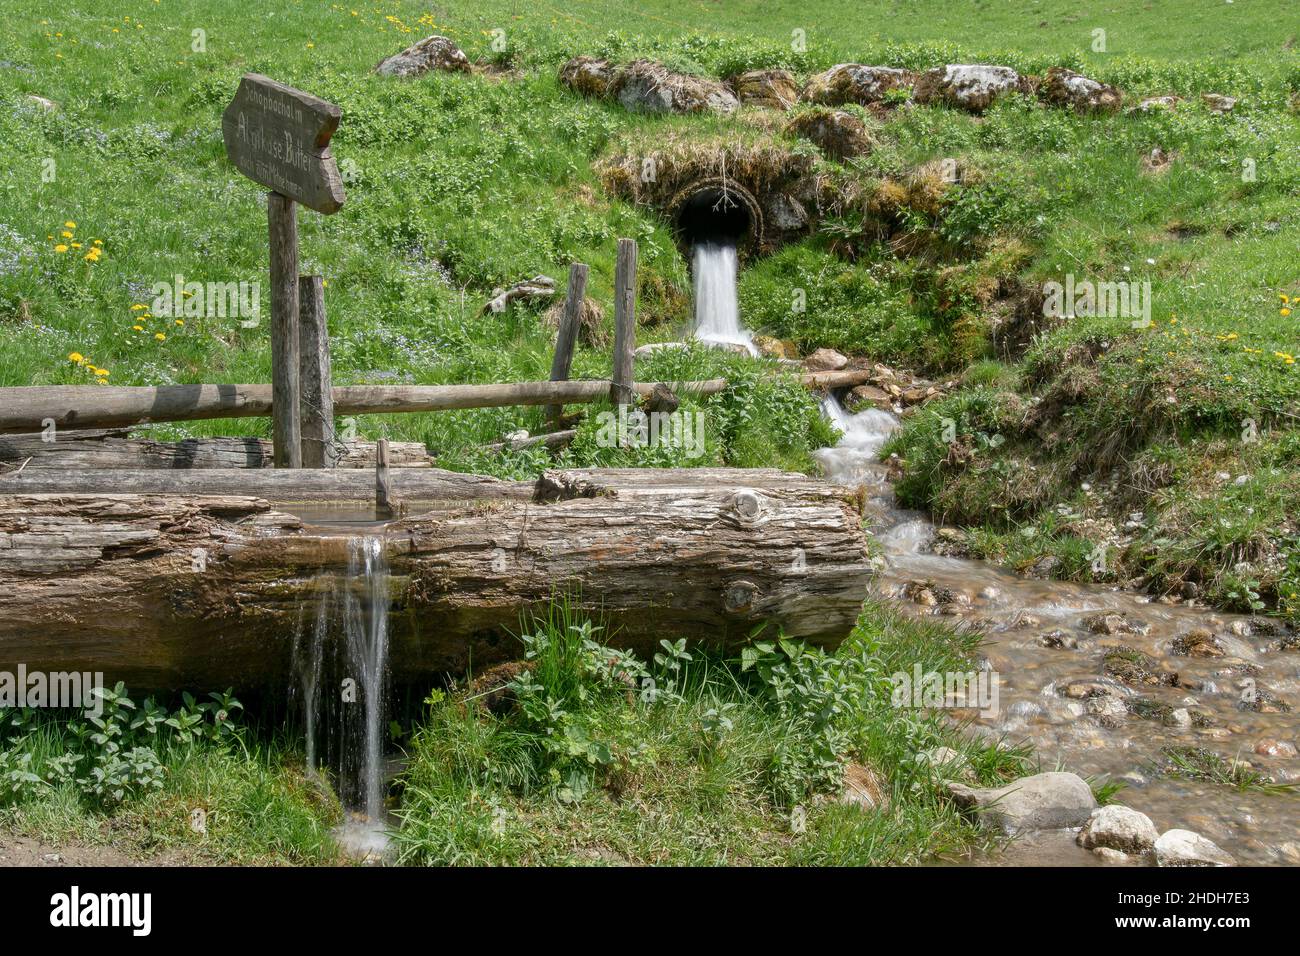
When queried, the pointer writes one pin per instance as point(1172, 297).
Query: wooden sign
point(279, 137)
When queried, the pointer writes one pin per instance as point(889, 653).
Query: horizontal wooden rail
point(33, 408)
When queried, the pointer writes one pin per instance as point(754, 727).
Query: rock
point(588, 76)
point(1113, 623)
point(1058, 639)
point(431, 53)
point(1185, 848)
point(47, 106)
point(1134, 667)
point(1045, 801)
point(645, 86)
point(650, 348)
point(1109, 711)
point(838, 134)
point(1119, 828)
point(784, 214)
point(825, 360)
point(1239, 628)
point(1044, 567)
point(1152, 103)
point(1062, 87)
point(1180, 717)
point(1264, 702)
point(1218, 103)
point(770, 347)
point(1275, 748)
point(1115, 857)
point(855, 83)
point(527, 290)
point(775, 89)
point(946, 762)
point(863, 788)
point(1083, 689)
point(971, 87)
point(1198, 643)
point(861, 396)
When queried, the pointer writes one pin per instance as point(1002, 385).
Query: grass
point(1088, 449)
point(718, 764)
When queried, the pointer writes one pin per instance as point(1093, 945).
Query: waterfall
point(340, 659)
point(717, 315)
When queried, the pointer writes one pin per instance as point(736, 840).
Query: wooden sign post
point(279, 137)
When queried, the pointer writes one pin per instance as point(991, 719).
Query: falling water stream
point(717, 314)
point(1044, 655)
point(341, 662)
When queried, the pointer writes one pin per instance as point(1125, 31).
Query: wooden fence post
point(567, 336)
point(314, 382)
point(282, 218)
point(383, 480)
point(624, 322)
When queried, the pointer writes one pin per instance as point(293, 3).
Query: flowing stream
point(341, 661)
point(1045, 658)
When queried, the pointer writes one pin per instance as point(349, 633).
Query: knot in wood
point(747, 505)
point(739, 596)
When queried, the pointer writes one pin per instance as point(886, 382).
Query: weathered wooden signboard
point(279, 137)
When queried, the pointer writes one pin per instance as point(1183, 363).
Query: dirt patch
point(26, 851)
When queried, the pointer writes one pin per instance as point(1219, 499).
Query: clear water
point(717, 314)
point(341, 662)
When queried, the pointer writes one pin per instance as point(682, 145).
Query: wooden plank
point(567, 338)
point(115, 448)
point(279, 136)
point(319, 449)
point(621, 392)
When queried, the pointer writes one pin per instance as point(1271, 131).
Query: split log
point(204, 591)
point(115, 448)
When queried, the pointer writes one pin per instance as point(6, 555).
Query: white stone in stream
point(1045, 801)
point(825, 360)
point(1115, 857)
point(1185, 848)
point(1118, 828)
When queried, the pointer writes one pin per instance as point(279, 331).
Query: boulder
point(431, 53)
point(825, 360)
point(855, 83)
point(1112, 623)
point(770, 347)
point(1119, 828)
point(862, 396)
point(1218, 103)
point(645, 86)
point(1114, 857)
point(971, 87)
point(838, 134)
point(1199, 642)
point(1185, 848)
point(775, 89)
point(1062, 87)
point(588, 75)
point(1045, 801)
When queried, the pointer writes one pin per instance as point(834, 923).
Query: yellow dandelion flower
point(101, 373)
point(65, 234)
point(138, 306)
point(138, 328)
point(76, 245)
point(76, 357)
point(180, 321)
point(99, 242)
point(160, 337)
point(60, 248)
point(69, 225)
point(1283, 311)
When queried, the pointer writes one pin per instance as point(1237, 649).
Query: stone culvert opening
point(713, 209)
point(761, 195)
